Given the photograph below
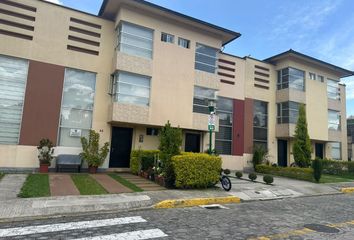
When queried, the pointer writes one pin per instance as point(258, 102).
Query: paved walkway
point(142, 183)
point(111, 185)
point(62, 185)
point(10, 186)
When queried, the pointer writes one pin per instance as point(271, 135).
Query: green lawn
point(125, 182)
point(36, 185)
point(87, 185)
point(325, 178)
point(1, 175)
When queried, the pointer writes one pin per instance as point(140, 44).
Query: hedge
point(338, 168)
point(196, 170)
point(291, 172)
point(137, 155)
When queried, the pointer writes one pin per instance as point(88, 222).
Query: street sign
point(211, 127)
point(211, 120)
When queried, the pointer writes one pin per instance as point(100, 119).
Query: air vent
point(226, 70)
point(261, 77)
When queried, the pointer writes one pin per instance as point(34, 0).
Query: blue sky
point(323, 29)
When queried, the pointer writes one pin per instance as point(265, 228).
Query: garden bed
point(36, 185)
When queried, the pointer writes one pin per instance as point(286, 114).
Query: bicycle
point(225, 181)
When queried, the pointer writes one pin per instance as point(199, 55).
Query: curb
point(179, 203)
point(347, 190)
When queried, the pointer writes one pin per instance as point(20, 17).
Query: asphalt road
point(276, 219)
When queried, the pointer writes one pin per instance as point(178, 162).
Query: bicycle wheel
point(225, 183)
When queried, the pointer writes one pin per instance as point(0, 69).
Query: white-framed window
point(333, 89)
point(200, 99)
point(205, 58)
point(260, 124)
point(336, 150)
point(76, 106)
point(131, 88)
point(287, 112)
point(291, 78)
point(312, 76)
point(13, 79)
point(185, 43)
point(223, 138)
point(165, 37)
point(320, 78)
point(135, 40)
point(334, 120)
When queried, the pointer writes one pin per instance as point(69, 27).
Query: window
point(165, 37)
point(13, 78)
point(336, 150)
point(223, 138)
point(200, 99)
point(205, 58)
point(183, 42)
point(320, 78)
point(332, 89)
point(291, 78)
point(76, 106)
point(152, 131)
point(260, 124)
point(312, 76)
point(333, 120)
point(131, 88)
point(287, 112)
point(135, 40)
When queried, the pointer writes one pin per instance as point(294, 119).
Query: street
point(276, 219)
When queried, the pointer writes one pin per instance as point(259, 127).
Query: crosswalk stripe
point(8, 232)
point(134, 235)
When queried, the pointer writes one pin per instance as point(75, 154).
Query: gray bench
point(68, 160)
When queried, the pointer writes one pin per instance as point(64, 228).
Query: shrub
point(227, 171)
point(196, 170)
point(291, 172)
point(136, 158)
point(238, 174)
point(45, 151)
point(147, 162)
point(92, 153)
point(252, 176)
point(259, 155)
point(268, 179)
point(337, 167)
point(317, 169)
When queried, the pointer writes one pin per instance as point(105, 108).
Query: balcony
point(128, 113)
point(133, 64)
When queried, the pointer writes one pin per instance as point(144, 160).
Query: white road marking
point(8, 232)
point(135, 235)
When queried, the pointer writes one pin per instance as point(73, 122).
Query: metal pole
point(210, 135)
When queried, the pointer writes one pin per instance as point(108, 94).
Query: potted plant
point(45, 152)
point(92, 153)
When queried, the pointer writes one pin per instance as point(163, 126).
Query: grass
point(87, 185)
point(36, 185)
point(2, 175)
point(125, 182)
point(325, 178)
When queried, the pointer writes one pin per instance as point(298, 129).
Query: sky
point(323, 29)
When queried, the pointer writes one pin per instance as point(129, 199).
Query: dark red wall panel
point(248, 127)
point(238, 128)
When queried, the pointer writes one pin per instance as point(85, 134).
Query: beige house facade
point(135, 66)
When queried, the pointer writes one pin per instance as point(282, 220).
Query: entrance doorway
point(319, 150)
point(121, 146)
point(282, 153)
point(192, 142)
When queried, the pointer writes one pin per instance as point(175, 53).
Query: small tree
point(317, 169)
point(302, 145)
point(92, 153)
point(260, 154)
point(170, 144)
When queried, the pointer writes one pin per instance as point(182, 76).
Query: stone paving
point(62, 185)
point(143, 183)
point(10, 186)
point(111, 185)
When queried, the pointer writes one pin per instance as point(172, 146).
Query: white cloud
point(55, 1)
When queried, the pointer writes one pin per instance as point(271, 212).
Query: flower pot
point(43, 168)
point(92, 169)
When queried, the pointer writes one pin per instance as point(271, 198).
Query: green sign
point(211, 127)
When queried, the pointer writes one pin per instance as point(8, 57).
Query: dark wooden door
point(282, 153)
point(121, 146)
point(192, 142)
point(319, 150)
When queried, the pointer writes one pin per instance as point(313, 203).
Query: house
point(135, 66)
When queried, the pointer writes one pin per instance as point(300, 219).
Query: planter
point(92, 169)
point(145, 175)
point(160, 180)
point(43, 168)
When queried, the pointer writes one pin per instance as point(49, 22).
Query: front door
point(192, 142)
point(282, 153)
point(121, 146)
point(319, 150)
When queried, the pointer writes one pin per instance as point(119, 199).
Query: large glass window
point(76, 106)
point(332, 89)
point(131, 88)
point(205, 58)
point(333, 120)
point(135, 40)
point(200, 99)
point(223, 138)
point(336, 150)
point(13, 78)
point(288, 112)
point(260, 124)
point(291, 78)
